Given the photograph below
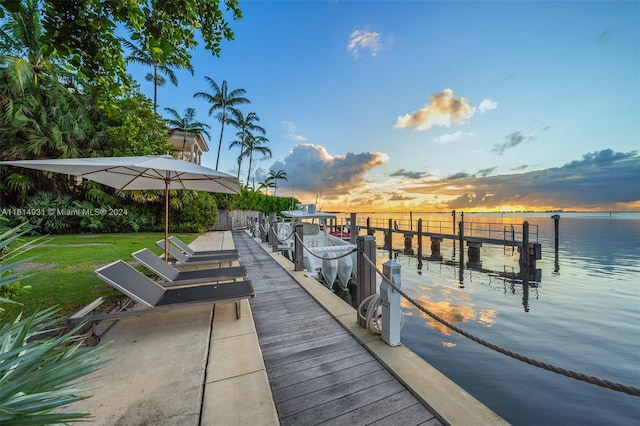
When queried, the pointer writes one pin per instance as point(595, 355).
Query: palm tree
point(40, 111)
point(274, 176)
point(25, 60)
point(265, 185)
point(149, 56)
point(223, 100)
point(254, 143)
point(246, 126)
point(187, 124)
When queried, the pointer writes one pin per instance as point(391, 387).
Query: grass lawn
point(63, 273)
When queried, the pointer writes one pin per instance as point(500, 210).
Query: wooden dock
point(319, 373)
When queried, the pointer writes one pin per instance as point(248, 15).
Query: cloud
point(487, 105)
point(514, 139)
point(313, 170)
point(601, 180)
point(449, 137)
point(409, 175)
point(459, 175)
point(600, 158)
point(291, 131)
point(443, 110)
point(364, 40)
point(487, 171)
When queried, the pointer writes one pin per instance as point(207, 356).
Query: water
point(584, 316)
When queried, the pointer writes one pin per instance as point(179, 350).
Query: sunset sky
point(434, 105)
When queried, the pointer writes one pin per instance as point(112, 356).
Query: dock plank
point(318, 372)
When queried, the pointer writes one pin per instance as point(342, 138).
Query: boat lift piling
point(420, 244)
point(556, 223)
point(461, 238)
point(473, 235)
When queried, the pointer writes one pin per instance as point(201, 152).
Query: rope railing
point(618, 387)
point(282, 240)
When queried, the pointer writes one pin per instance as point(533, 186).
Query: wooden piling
point(297, 248)
point(353, 229)
point(273, 232)
point(461, 239)
point(261, 224)
point(419, 243)
point(408, 241)
point(389, 240)
point(436, 253)
point(366, 281)
point(556, 226)
point(473, 252)
point(524, 266)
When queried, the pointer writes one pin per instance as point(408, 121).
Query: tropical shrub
point(47, 212)
point(36, 373)
point(192, 211)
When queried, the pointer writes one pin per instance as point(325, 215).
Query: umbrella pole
point(166, 221)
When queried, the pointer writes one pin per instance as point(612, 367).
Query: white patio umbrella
point(149, 172)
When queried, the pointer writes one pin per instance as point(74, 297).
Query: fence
point(233, 219)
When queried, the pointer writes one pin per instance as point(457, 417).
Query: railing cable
point(630, 390)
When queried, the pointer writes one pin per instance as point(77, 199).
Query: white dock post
point(391, 312)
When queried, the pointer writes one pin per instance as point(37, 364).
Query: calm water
point(584, 315)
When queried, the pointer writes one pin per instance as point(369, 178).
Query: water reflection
point(451, 311)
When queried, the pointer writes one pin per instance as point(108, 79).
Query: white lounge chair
point(181, 257)
point(173, 276)
point(191, 252)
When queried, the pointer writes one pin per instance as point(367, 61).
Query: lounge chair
point(181, 257)
point(191, 252)
point(155, 298)
point(173, 276)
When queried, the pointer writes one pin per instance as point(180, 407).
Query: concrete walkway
point(197, 366)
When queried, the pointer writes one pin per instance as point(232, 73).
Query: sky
point(432, 105)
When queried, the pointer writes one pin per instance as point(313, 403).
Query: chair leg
point(238, 309)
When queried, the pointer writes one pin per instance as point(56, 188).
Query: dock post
point(473, 252)
point(524, 266)
point(453, 215)
point(389, 241)
point(461, 239)
point(353, 229)
point(420, 243)
point(273, 232)
point(369, 230)
point(556, 225)
point(261, 223)
point(366, 281)
point(435, 248)
point(391, 312)
point(556, 260)
point(298, 263)
point(408, 240)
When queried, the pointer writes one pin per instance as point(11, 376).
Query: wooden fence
point(233, 219)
